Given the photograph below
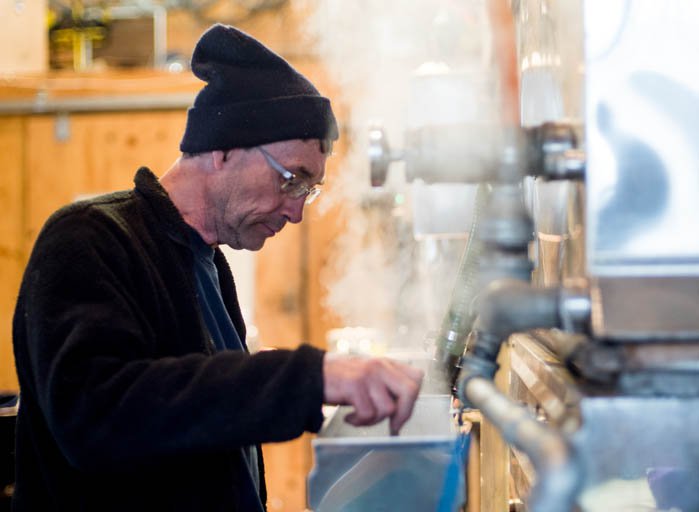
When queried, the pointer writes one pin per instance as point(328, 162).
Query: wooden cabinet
point(73, 155)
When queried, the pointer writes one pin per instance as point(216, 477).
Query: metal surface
point(451, 135)
point(651, 309)
point(506, 306)
point(380, 156)
point(550, 50)
point(557, 209)
point(506, 223)
point(568, 165)
point(662, 431)
point(447, 154)
point(631, 439)
point(431, 420)
point(641, 369)
point(575, 308)
point(641, 120)
point(553, 151)
point(359, 469)
point(642, 185)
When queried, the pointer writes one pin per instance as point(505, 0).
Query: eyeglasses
point(292, 186)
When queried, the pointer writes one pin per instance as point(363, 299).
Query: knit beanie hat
point(252, 97)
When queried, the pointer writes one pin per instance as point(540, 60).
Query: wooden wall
point(41, 172)
point(12, 227)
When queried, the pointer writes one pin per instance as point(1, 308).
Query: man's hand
point(377, 388)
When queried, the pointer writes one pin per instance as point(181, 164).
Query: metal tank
point(603, 342)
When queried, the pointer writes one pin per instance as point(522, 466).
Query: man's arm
point(90, 358)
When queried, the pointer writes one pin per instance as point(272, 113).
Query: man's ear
point(219, 158)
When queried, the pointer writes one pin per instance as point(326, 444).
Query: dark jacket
point(124, 404)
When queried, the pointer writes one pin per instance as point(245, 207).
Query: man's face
point(248, 204)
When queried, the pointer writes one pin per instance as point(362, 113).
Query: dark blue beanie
point(252, 97)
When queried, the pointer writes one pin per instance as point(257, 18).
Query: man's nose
point(293, 209)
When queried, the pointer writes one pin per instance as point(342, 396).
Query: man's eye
point(296, 184)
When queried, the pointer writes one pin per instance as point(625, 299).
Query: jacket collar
point(148, 186)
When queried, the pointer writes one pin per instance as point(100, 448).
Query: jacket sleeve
point(85, 353)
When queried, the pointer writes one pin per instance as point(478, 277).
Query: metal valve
point(380, 155)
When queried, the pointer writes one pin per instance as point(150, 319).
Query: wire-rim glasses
point(293, 186)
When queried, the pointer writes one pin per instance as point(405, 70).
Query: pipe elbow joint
point(509, 305)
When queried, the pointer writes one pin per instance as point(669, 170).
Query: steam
point(380, 276)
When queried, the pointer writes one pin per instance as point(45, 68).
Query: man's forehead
point(305, 155)
point(309, 147)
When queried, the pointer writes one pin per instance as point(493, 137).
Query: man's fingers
point(364, 414)
point(403, 412)
point(405, 387)
point(383, 400)
point(393, 388)
point(376, 388)
point(365, 411)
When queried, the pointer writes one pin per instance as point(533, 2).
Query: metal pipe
point(511, 305)
point(508, 306)
point(559, 472)
point(552, 150)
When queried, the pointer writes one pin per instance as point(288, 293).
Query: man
point(137, 389)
